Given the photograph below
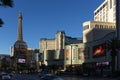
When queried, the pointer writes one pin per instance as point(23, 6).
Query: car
point(5, 76)
point(51, 77)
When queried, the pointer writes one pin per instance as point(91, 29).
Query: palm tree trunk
point(113, 64)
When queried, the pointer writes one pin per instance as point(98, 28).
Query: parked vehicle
point(5, 76)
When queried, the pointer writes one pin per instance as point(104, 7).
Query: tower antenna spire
point(20, 36)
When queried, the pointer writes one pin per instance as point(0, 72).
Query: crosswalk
point(25, 77)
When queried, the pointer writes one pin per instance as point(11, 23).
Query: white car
point(5, 76)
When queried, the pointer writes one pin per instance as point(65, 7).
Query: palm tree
point(4, 64)
point(5, 3)
point(1, 22)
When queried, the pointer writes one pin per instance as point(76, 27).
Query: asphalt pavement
point(36, 77)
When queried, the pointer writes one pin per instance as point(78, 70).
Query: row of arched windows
point(105, 26)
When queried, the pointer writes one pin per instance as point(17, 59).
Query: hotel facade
point(92, 49)
point(61, 51)
point(66, 51)
point(97, 33)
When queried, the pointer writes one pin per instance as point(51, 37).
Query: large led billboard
point(99, 50)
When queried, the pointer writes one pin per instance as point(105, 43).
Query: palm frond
point(1, 22)
point(5, 3)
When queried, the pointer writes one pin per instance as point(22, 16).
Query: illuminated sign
point(99, 50)
point(80, 53)
point(67, 54)
point(21, 60)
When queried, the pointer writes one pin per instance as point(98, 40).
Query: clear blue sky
point(43, 18)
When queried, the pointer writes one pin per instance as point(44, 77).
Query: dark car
point(5, 76)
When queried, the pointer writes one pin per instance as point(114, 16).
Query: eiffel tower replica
point(20, 47)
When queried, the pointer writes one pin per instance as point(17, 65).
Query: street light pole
point(71, 56)
point(118, 31)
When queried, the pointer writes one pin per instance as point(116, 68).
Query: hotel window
point(110, 27)
point(101, 26)
point(106, 16)
point(103, 5)
point(95, 13)
point(106, 26)
point(74, 54)
point(85, 53)
point(80, 53)
point(106, 5)
point(103, 17)
point(96, 26)
point(110, 4)
point(86, 27)
point(114, 16)
point(114, 2)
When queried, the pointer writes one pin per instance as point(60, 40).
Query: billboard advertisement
point(99, 50)
point(67, 54)
point(21, 60)
point(80, 53)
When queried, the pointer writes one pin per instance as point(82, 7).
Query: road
point(36, 77)
point(86, 78)
point(25, 77)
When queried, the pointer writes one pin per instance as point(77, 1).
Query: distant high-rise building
point(104, 21)
point(106, 11)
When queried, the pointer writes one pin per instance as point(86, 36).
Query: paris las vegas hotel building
point(93, 48)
